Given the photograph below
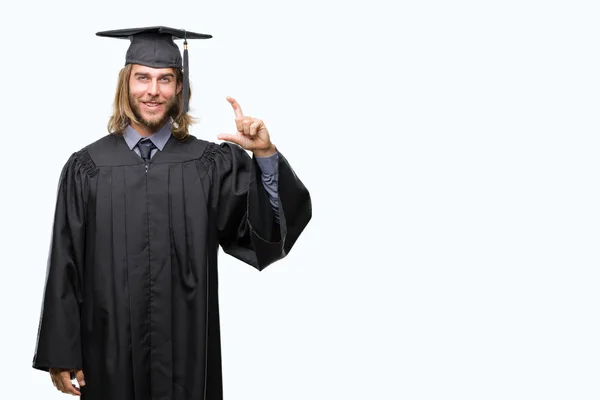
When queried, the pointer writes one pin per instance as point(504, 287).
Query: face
point(152, 94)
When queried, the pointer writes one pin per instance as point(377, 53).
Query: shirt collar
point(159, 138)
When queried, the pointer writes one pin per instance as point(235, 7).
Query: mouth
point(152, 104)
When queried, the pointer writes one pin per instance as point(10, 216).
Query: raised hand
point(252, 133)
point(61, 378)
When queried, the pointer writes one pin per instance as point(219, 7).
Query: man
point(130, 305)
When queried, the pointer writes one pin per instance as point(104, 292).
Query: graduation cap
point(154, 47)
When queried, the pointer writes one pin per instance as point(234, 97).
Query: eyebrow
point(170, 75)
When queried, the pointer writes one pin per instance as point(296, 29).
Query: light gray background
point(451, 150)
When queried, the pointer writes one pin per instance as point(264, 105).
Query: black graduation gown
point(131, 293)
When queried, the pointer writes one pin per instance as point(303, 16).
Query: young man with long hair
point(130, 307)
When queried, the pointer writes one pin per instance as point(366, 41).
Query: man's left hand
point(252, 133)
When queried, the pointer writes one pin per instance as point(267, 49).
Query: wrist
point(269, 151)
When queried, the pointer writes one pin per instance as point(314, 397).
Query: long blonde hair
point(123, 115)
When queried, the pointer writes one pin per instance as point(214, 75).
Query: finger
point(254, 127)
point(75, 390)
point(240, 140)
point(68, 386)
point(64, 380)
point(229, 138)
point(59, 383)
point(236, 107)
point(247, 124)
point(80, 378)
point(239, 124)
point(53, 380)
point(55, 374)
point(57, 380)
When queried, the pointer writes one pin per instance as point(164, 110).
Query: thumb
point(79, 376)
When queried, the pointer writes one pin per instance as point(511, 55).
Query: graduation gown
point(131, 292)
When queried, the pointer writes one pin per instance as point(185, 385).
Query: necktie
point(146, 147)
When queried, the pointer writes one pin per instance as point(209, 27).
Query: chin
point(153, 118)
point(153, 121)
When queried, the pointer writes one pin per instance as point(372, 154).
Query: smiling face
point(152, 95)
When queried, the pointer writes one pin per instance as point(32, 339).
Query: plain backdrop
point(451, 151)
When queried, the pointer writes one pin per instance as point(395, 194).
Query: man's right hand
point(61, 378)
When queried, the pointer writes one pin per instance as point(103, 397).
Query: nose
point(153, 88)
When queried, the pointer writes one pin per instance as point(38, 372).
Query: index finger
point(236, 107)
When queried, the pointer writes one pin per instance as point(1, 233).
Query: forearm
point(269, 175)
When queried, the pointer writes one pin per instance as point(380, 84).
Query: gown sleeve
point(245, 221)
point(58, 339)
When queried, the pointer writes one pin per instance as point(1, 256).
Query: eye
point(166, 79)
point(142, 77)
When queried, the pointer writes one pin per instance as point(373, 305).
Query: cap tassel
point(186, 77)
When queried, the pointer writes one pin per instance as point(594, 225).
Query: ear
point(179, 87)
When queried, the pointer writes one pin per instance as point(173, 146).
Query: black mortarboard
point(154, 47)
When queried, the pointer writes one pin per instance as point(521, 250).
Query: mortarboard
point(154, 47)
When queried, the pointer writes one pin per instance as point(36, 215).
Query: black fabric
point(131, 294)
point(163, 30)
point(153, 46)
